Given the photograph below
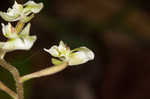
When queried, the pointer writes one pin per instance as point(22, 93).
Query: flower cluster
point(18, 36)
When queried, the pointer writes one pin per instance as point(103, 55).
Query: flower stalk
point(44, 72)
point(19, 26)
point(16, 76)
point(4, 88)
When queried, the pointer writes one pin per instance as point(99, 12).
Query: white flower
point(21, 12)
point(17, 41)
point(73, 57)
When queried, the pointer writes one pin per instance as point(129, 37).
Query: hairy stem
point(16, 76)
point(44, 72)
point(4, 88)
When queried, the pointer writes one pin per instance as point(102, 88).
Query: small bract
point(20, 12)
point(73, 57)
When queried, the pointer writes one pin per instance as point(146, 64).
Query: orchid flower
point(20, 12)
point(73, 57)
point(16, 41)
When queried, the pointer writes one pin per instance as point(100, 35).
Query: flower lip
point(89, 53)
point(81, 55)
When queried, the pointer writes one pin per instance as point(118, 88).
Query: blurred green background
point(118, 31)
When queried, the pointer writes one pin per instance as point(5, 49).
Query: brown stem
point(44, 72)
point(16, 75)
point(4, 88)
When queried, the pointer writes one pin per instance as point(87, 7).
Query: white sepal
point(9, 31)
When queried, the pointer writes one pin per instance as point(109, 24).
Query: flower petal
point(82, 55)
point(63, 49)
point(53, 51)
point(33, 7)
point(19, 43)
point(88, 52)
point(6, 29)
point(16, 9)
point(62, 46)
point(9, 18)
point(9, 31)
point(12, 14)
point(28, 42)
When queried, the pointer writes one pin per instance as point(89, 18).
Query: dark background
point(118, 31)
